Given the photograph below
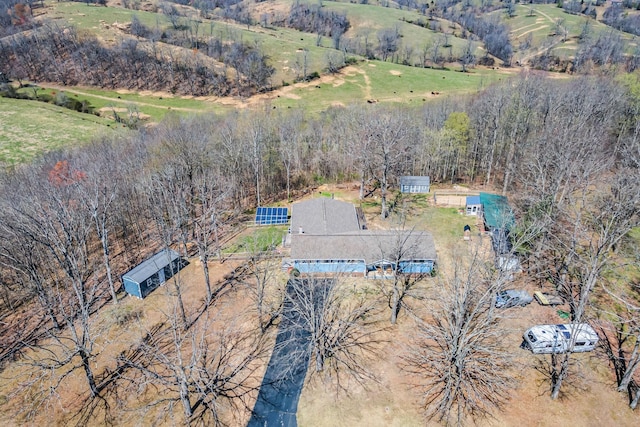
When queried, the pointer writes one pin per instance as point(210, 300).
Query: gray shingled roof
point(323, 216)
point(149, 267)
point(370, 245)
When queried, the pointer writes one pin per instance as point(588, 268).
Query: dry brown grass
point(589, 399)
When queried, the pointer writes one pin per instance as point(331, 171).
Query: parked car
point(512, 298)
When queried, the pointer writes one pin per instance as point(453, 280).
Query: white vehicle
point(575, 337)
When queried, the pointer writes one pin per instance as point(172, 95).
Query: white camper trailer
point(576, 337)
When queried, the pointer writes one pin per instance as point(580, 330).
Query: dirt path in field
point(118, 100)
point(283, 92)
point(545, 15)
point(532, 30)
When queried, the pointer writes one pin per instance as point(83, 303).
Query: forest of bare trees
point(567, 153)
point(62, 55)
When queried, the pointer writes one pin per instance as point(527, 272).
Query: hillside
point(129, 128)
point(419, 61)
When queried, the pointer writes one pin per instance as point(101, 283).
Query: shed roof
point(370, 245)
point(414, 180)
point(497, 212)
point(323, 216)
point(473, 200)
point(151, 266)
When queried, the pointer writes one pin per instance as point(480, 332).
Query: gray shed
point(150, 274)
point(415, 184)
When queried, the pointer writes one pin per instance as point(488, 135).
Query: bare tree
point(209, 370)
point(289, 131)
point(210, 203)
point(621, 343)
point(256, 134)
point(467, 58)
point(342, 328)
point(402, 248)
point(584, 249)
point(166, 201)
point(389, 132)
point(261, 280)
point(510, 7)
point(388, 42)
point(456, 353)
point(99, 198)
point(49, 217)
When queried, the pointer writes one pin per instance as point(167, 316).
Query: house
point(325, 216)
point(473, 205)
point(147, 276)
point(330, 237)
point(414, 184)
point(367, 253)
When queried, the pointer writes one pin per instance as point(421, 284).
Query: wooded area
point(565, 150)
point(567, 153)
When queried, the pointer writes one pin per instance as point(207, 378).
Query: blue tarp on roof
point(473, 200)
point(497, 212)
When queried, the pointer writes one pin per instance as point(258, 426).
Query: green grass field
point(385, 82)
point(541, 26)
point(366, 19)
point(366, 81)
point(99, 20)
point(257, 240)
point(30, 128)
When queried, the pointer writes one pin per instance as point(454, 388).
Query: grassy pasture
point(371, 19)
point(283, 46)
point(383, 82)
point(99, 19)
point(542, 24)
point(155, 105)
point(258, 239)
point(370, 80)
point(30, 128)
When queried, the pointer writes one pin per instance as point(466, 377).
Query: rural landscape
point(320, 213)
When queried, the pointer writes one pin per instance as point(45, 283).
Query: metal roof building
point(147, 276)
point(370, 246)
point(496, 212)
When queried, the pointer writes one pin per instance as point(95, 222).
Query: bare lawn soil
point(588, 399)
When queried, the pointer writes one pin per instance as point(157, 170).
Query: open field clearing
point(30, 128)
point(366, 20)
point(540, 23)
point(370, 81)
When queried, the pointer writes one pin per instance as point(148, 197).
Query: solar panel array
point(272, 216)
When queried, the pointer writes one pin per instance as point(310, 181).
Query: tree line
point(62, 55)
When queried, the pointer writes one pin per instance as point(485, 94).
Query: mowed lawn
point(30, 128)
